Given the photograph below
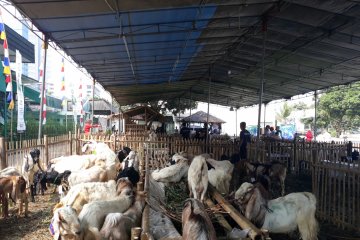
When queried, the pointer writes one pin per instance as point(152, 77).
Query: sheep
point(161, 227)
point(220, 176)
point(65, 224)
point(198, 178)
point(15, 186)
point(10, 171)
point(93, 214)
point(87, 192)
point(117, 226)
point(196, 222)
point(280, 215)
point(173, 173)
point(31, 164)
point(274, 170)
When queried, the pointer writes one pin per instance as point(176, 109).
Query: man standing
point(244, 139)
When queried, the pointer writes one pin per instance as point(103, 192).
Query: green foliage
point(284, 113)
point(340, 109)
point(53, 127)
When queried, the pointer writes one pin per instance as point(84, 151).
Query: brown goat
point(273, 170)
point(15, 187)
point(196, 222)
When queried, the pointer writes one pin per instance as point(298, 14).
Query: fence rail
point(335, 178)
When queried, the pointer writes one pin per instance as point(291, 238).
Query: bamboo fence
point(335, 178)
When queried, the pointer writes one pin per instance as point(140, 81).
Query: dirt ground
point(35, 226)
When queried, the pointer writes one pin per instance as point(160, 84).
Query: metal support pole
point(208, 112)
point(92, 107)
point(315, 117)
point(190, 104)
point(111, 113)
point(261, 88)
point(264, 115)
point(42, 89)
point(236, 123)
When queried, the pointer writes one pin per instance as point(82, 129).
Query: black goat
point(122, 154)
point(52, 177)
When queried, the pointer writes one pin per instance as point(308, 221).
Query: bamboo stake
point(220, 218)
point(243, 222)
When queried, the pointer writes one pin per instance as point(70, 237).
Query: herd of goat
point(98, 197)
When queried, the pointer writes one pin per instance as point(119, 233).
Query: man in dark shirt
point(244, 139)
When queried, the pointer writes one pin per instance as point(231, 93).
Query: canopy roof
point(201, 117)
point(158, 49)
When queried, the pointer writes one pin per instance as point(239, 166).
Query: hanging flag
point(21, 127)
point(43, 86)
point(44, 109)
point(7, 70)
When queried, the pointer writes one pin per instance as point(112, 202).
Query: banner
point(21, 127)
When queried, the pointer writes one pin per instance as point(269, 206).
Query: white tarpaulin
point(21, 127)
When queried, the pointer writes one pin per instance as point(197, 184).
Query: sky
point(250, 114)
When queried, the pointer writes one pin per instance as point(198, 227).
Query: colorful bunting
point(62, 89)
point(7, 70)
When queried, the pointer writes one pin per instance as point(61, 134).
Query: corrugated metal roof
point(155, 49)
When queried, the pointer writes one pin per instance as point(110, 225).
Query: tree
point(284, 113)
point(340, 109)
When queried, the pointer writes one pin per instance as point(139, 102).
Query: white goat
point(161, 227)
point(280, 215)
point(65, 224)
point(117, 226)
point(196, 222)
point(10, 171)
point(173, 173)
point(31, 165)
point(101, 155)
point(220, 176)
point(198, 178)
point(93, 214)
point(132, 160)
point(93, 174)
point(87, 192)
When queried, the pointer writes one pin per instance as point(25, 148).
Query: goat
point(10, 171)
point(196, 222)
point(93, 214)
point(93, 174)
point(52, 177)
point(101, 155)
point(274, 170)
point(198, 178)
point(84, 193)
point(280, 215)
point(173, 173)
point(130, 168)
point(161, 227)
point(15, 186)
point(117, 226)
point(122, 154)
point(65, 224)
point(31, 165)
point(220, 175)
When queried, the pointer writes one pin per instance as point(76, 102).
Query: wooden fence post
point(70, 142)
point(3, 153)
point(46, 147)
